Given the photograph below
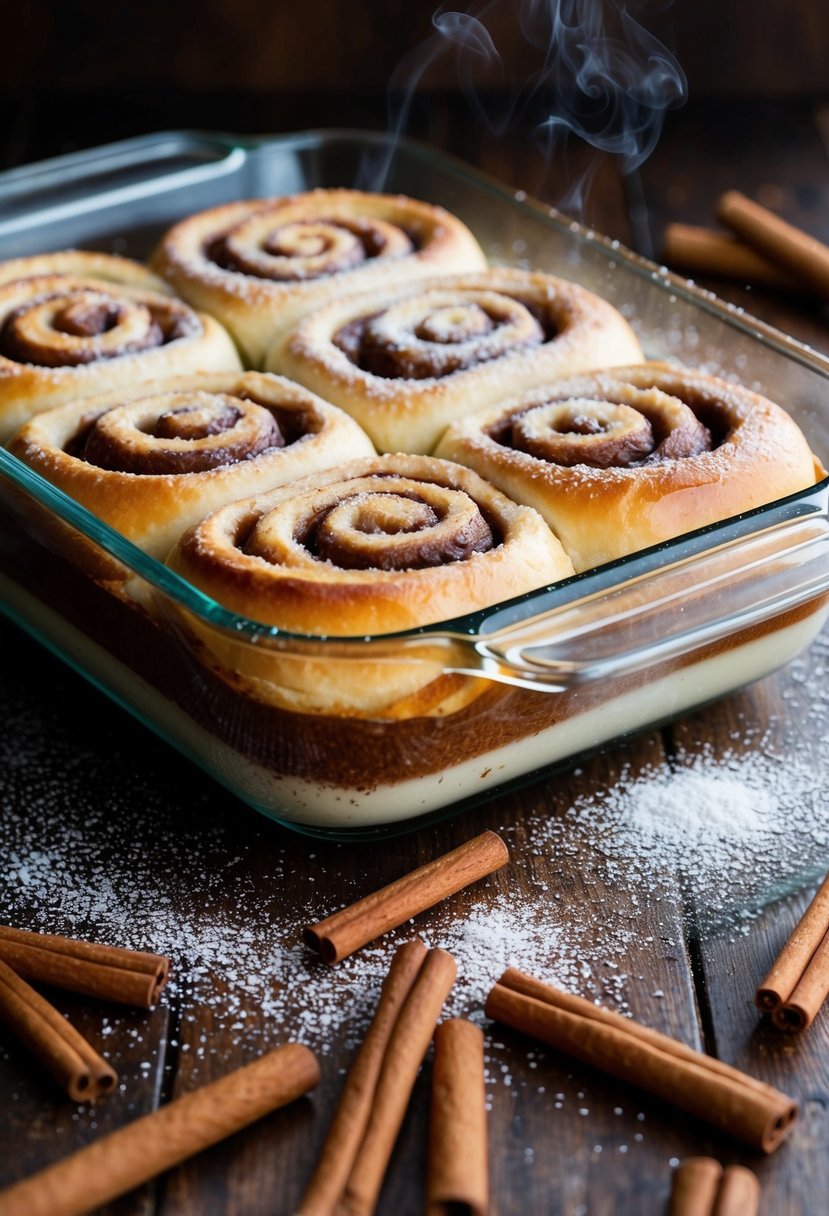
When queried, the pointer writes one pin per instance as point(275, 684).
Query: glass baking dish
point(544, 678)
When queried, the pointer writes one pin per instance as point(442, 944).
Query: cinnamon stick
point(798, 983)
point(406, 1048)
point(351, 1118)
point(801, 1008)
point(739, 1193)
point(61, 1049)
point(133, 1154)
point(694, 1187)
point(458, 1179)
point(347, 930)
point(705, 1087)
point(701, 1187)
point(795, 251)
point(706, 251)
point(109, 973)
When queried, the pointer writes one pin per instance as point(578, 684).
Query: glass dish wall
point(540, 680)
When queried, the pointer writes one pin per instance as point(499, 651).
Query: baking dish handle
point(113, 175)
point(660, 615)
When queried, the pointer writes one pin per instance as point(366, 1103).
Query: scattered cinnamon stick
point(706, 251)
point(458, 1179)
point(795, 251)
point(705, 1087)
point(350, 1171)
point(124, 1159)
point(347, 930)
point(109, 973)
point(694, 1187)
point(798, 983)
point(61, 1049)
point(351, 1118)
point(739, 1192)
point(407, 1046)
point(701, 1187)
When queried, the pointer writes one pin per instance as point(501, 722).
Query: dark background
point(76, 72)
point(727, 47)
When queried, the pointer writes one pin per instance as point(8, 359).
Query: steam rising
point(614, 80)
point(583, 68)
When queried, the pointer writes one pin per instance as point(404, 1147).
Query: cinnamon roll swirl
point(154, 459)
point(406, 363)
point(260, 265)
point(82, 263)
point(376, 546)
point(625, 458)
point(75, 324)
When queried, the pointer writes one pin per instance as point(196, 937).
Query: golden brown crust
point(374, 547)
point(89, 324)
point(405, 363)
point(626, 458)
point(81, 263)
point(261, 264)
point(153, 459)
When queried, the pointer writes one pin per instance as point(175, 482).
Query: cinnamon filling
point(415, 535)
point(304, 249)
point(437, 333)
point(637, 428)
point(370, 523)
point(194, 422)
point(86, 318)
point(87, 325)
point(178, 433)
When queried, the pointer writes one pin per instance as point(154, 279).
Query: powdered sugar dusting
point(141, 884)
point(736, 828)
point(210, 890)
point(696, 816)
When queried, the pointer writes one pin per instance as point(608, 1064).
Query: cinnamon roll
point(622, 459)
point(408, 362)
point(376, 546)
point(154, 459)
point(75, 324)
point(260, 265)
point(82, 263)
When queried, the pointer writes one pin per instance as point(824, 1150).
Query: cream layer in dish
point(421, 788)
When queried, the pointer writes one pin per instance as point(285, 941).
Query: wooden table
point(97, 811)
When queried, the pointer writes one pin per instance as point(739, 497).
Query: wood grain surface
point(563, 1140)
